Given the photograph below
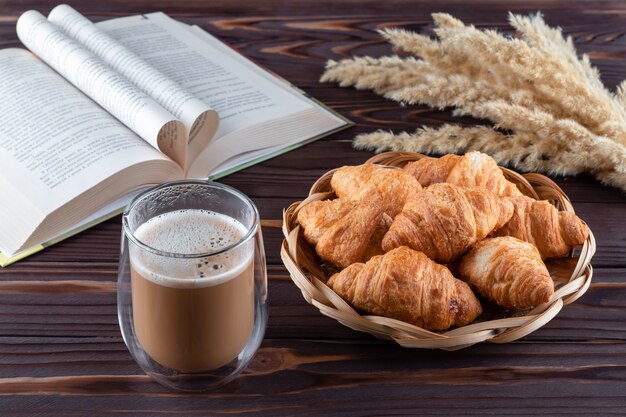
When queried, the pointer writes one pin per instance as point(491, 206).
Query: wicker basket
point(572, 274)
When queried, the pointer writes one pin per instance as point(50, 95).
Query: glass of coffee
point(192, 283)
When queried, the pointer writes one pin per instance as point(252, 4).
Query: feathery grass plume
point(551, 77)
point(380, 75)
point(505, 149)
point(561, 118)
point(551, 41)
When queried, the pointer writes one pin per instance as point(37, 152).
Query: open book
point(95, 112)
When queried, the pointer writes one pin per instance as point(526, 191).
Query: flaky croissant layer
point(474, 169)
point(553, 232)
point(444, 220)
point(385, 187)
point(344, 231)
point(406, 285)
point(508, 271)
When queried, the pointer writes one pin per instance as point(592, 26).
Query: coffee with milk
point(193, 314)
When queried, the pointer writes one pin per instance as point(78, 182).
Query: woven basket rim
point(309, 277)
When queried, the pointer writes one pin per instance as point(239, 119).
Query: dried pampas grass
point(550, 110)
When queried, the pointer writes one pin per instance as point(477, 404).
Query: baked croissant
point(444, 220)
point(474, 169)
point(384, 186)
point(553, 232)
point(344, 231)
point(508, 271)
point(405, 285)
point(317, 217)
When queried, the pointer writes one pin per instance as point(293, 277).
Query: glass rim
point(131, 236)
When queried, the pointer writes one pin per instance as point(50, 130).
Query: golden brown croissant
point(444, 220)
point(553, 232)
point(387, 187)
point(317, 217)
point(344, 231)
point(507, 271)
point(405, 285)
point(474, 169)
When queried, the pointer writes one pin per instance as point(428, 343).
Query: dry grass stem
point(560, 117)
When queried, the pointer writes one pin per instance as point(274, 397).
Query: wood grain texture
point(61, 351)
point(302, 377)
point(83, 307)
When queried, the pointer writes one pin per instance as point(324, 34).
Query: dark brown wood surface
point(61, 352)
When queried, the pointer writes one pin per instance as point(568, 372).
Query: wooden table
point(61, 352)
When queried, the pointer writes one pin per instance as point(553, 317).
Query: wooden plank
point(303, 377)
point(82, 307)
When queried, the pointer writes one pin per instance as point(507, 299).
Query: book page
point(105, 86)
point(55, 143)
point(270, 137)
point(240, 95)
point(199, 119)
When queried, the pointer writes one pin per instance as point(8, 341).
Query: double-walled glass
point(192, 321)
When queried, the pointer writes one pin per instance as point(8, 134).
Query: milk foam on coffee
point(192, 231)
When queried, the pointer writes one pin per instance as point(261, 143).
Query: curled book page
point(104, 85)
point(200, 120)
